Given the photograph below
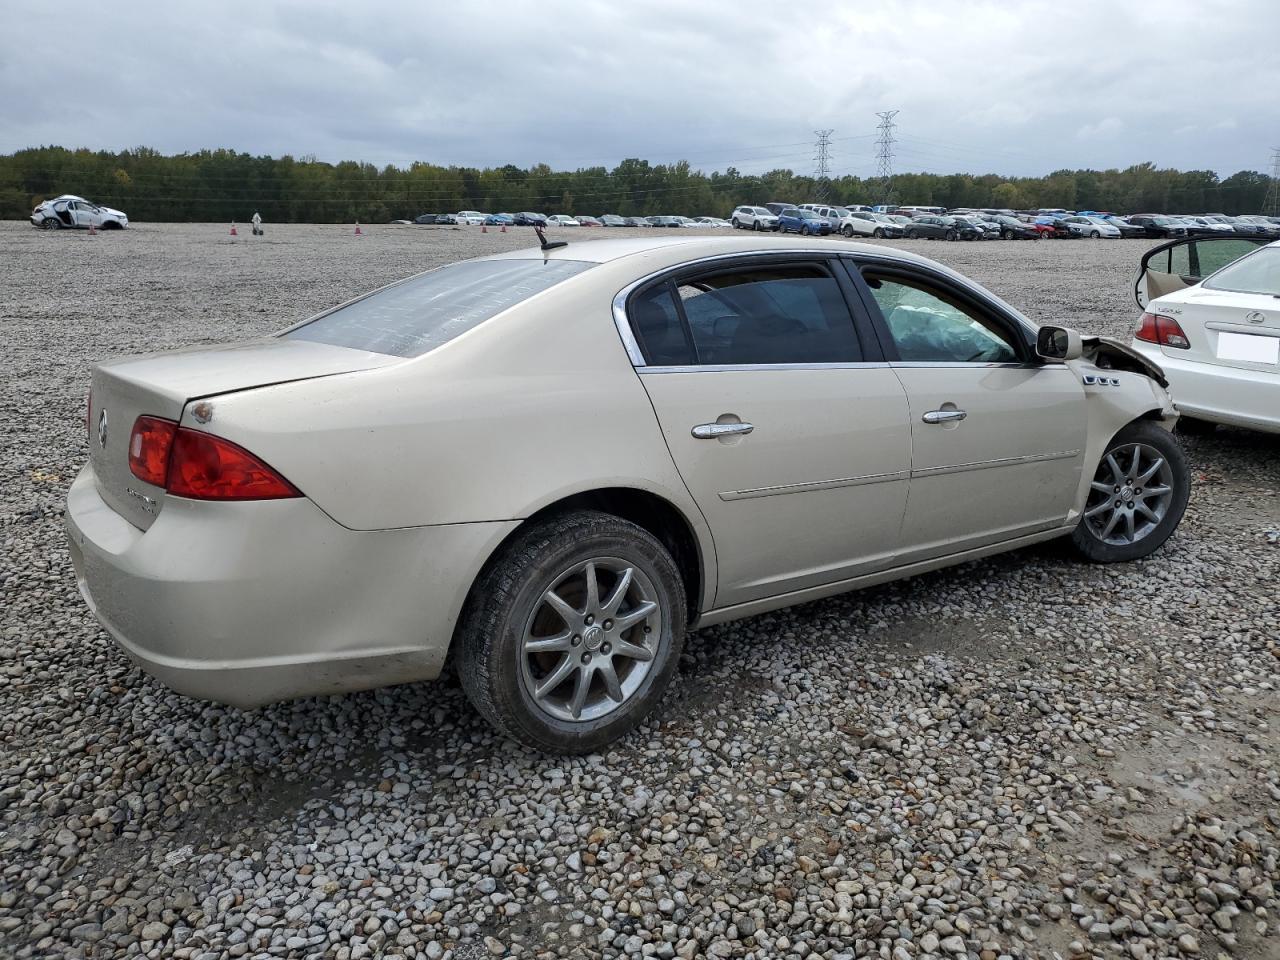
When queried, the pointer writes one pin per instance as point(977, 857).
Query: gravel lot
point(1023, 757)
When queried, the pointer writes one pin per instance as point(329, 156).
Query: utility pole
point(822, 163)
point(1271, 206)
point(884, 156)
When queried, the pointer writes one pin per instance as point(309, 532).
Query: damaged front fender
point(1108, 354)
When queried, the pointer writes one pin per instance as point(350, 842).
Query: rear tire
point(1137, 496)
point(878, 233)
point(51, 223)
point(508, 613)
point(847, 231)
point(736, 224)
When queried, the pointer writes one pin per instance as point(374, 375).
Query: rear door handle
point(714, 431)
point(943, 416)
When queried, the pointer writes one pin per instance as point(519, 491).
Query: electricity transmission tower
point(883, 187)
point(822, 163)
point(1271, 206)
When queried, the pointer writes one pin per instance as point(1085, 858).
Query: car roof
point(677, 249)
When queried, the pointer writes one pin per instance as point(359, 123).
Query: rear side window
point(416, 316)
point(766, 315)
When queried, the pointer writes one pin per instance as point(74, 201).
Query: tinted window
point(781, 314)
point(658, 329)
point(928, 326)
point(418, 315)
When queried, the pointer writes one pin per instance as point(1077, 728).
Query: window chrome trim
point(758, 367)
point(633, 346)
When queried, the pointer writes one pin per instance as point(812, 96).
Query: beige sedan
point(553, 463)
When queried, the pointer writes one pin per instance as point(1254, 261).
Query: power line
point(822, 164)
point(884, 156)
point(1271, 206)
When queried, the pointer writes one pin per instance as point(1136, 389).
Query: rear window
point(416, 316)
point(1257, 273)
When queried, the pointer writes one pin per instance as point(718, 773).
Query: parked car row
point(531, 219)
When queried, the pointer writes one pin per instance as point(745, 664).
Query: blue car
point(499, 220)
point(803, 222)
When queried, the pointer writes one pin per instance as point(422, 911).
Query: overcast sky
point(1011, 87)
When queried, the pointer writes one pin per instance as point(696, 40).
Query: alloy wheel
point(1130, 494)
point(591, 640)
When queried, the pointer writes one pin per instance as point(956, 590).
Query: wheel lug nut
point(577, 639)
point(1118, 502)
point(608, 624)
point(648, 629)
point(589, 620)
point(606, 648)
point(1117, 489)
point(586, 658)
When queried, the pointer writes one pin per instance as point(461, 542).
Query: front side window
point(424, 312)
point(931, 327)
point(792, 313)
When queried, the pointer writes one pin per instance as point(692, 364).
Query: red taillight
point(205, 467)
point(1157, 328)
point(149, 445)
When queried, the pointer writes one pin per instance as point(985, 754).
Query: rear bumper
point(250, 603)
point(1227, 395)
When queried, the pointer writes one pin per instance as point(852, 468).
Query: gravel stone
point(1016, 757)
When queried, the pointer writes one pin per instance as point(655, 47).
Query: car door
point(1182, 263)
point(785, 423)
point(998, 436)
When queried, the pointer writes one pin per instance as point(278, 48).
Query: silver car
point(552, 463)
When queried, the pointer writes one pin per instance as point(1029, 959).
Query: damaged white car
point(69, 212)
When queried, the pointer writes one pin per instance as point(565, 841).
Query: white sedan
point(549, 464)
point(1217, 338)
point(1094, 227)
point(70, 212)
point(562, 220)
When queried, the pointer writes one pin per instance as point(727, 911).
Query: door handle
point(714, 431)
point(943, 416)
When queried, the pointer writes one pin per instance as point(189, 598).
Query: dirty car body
point(719, 426)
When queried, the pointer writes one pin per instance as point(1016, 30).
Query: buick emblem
point(102, 428)
point(1255, 316)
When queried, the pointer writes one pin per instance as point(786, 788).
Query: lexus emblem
point(102, 428)
point(1255, 316)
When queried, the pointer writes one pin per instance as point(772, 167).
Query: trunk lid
point(161, 385)
point(1223, 327)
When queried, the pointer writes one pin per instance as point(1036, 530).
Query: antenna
point(884, 156)
point(1271, 205)
point(545, 243)
point(822, 163)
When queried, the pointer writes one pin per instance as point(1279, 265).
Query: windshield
point(1255, 273)
point(809, 215)
point(417, 315)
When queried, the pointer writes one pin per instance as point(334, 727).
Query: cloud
point(1108, 127)
point(588, 83)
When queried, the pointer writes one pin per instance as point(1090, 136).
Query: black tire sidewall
point(1155, 436)
point(506, 597)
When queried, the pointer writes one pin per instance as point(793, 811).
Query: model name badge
point(148, 503)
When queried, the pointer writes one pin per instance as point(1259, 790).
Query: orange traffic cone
point(233, 228)
point(484, 228)
point(504, 228)
point(93, 229)
point(359, 232)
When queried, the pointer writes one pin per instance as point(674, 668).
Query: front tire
point(878, 233)
point(804, 230)
point(950, 235)
point(571, 637)
point(1137, 496)
point(1095, 235)
point(910, 235)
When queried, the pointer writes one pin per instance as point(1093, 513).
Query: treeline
point(216, 185)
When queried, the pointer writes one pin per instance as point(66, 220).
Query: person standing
point(257, 224)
